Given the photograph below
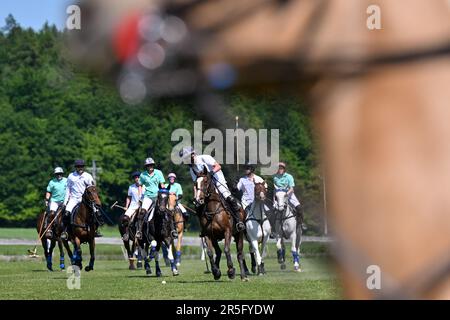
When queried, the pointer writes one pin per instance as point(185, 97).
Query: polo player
point(283, 180)
point(197, 165)
point(246, 185)
point(77, 182)
point(54, 197)
point(132, 203)
point(152, 179)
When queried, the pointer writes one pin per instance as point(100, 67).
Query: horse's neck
point(258, 208)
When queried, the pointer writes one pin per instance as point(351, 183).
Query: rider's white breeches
point(146, 204)
point(54, 206)
point(72, 203)
point(131, 209)
point(221, 184)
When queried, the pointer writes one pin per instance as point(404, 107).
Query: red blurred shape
point(126, 39)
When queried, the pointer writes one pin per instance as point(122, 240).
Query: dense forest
point(52, 113)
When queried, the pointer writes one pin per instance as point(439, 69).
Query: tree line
point(54, 112)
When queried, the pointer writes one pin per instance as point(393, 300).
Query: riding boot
point(236, 213)
point(64, 224)
point(99, 222)
point(300, 218)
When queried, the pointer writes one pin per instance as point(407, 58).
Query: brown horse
point(216, 224)
point(178, 220)
point(54, 224)
point(83, 226)
point(380, 100)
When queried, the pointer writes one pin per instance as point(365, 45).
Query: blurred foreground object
point(380, 98)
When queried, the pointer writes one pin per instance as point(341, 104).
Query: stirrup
point(138, 235)
point(125, 237)
point(174, 234)
point(64, 235)
point(49, 234)
point(98, 234)
point(304, 227)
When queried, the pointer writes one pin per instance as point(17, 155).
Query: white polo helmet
point(58, 170)
point(186, 152)
point(149, 161)
point(172, 175)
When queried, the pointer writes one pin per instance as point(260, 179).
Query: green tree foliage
point(53, 113)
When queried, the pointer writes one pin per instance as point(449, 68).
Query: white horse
point(258, 228)
point(286, 228)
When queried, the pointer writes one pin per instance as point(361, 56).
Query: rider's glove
point(46, 202)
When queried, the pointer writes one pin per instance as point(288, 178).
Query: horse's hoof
point(247, 273)
point(158, 274)
point(298, 269)
point(253, 269)
point(175, 272)
point(231, 273)
point(49, 268)
point(88, 268)
point(283, 266)
point(148, 271)
point(62, 266)
point(217, 275)
point(131, 267)
point(244, 279)
point(139, 264)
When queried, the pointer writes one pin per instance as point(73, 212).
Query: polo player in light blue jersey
point(285, 181)
point(54, 197)
point(151, 179)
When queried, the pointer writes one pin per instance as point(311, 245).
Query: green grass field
point(26, 278)
point(112, 280)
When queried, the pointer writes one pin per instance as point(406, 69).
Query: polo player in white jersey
point(246, 185)
point(133, 203)
point(77, 182)
point(197, 164)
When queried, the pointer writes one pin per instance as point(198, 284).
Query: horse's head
point(91, 196)
point(202, 187)
point(163, 199)
point(172, 201)
point(260, 191)
point(280, 199)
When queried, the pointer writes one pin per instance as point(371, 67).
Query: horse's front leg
point(77, 253)
point(266, 233)
point(281, 252)
point(92, 253)
point(215, 270)
point(144, 251)
point(231, 270)
point(171, 259)
point(62, 265)
point(295, 247)
point(178, 247)
point(69, 251)
point(48, 256)
point(156, 256)
point(240, 254)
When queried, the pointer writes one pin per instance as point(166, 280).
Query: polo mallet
point(118, 206)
